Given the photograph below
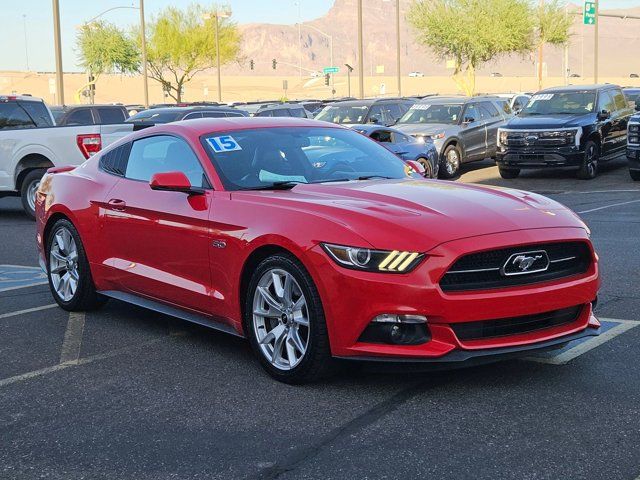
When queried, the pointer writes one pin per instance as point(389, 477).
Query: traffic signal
point(326, 78)
point(251, 64)
point(274, 63)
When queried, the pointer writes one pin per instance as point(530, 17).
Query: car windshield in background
point(280, 157)
point(343, 114)
point(570, 103)
point(432, 113)
point(155, 117)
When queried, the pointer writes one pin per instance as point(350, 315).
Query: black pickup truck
point(574, 126)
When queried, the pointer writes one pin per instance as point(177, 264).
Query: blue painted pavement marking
point(18, 276)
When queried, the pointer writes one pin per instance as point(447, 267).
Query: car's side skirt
point(169, 310)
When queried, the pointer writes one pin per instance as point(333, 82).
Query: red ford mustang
point(315, 243)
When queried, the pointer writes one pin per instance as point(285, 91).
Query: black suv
point(175, 114)
point(383, 111)
point(283, 110)
point(89, 114)
point(575, 126)
point(633, 146)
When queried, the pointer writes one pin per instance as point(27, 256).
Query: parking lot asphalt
point(127, 393)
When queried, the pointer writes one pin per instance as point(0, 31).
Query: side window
point(110, 115)
point(404, 108)
point(81, 116)
point(375, 112)
point(393, 111)
point(13, 116)
point(38, 112)
point(381, 136)
point(298, 112)
point(280, 112)
point(520, 102)
point(163, 153)
point(471, 113)
point(115, 161)
point(399, 137)
point(620, 101)
point(233, 114)
point(487, 111)
point(606, 102)
point(213, 114)
point(192, 116)
point(504, 104)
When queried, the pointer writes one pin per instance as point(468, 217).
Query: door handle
point(117, 204)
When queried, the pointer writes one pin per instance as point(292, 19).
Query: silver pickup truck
point(30, 143)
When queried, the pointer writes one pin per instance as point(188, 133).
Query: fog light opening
point(397, 329)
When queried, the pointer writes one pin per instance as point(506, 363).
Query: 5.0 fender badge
point(219, 243)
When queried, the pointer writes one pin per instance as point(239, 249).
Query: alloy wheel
point(452, 162)
point(63, 264)
point(591, 162)
point(31, 194)
point(281, 319)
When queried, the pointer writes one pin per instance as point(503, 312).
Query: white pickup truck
point(30, 143)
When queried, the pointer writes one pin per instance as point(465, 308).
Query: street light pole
point(398, 47)
point(218, 60)
point(26, 45)
point(143, 42)
point(595, 51)
point(58, 52)
point(360, 53)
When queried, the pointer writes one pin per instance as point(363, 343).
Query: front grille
point(515, 325)
point(634, 134)
point(484, 270)
point(550, 138)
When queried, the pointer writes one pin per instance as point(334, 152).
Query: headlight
point(502, 137)
point(369, 260)
point(634, 127)
point(437, 136)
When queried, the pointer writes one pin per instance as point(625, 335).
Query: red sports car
point(315, 243)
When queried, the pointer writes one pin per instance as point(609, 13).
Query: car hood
point(423, 128)
point(419, 214)
point(549, 121)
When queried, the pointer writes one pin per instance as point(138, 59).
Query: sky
point(27, 25)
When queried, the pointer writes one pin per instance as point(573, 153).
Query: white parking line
point(72, 338)
point(582, 348)
point(609, 206)
point(81, 361)
point(27, 310)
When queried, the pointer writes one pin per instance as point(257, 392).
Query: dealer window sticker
point(541, 96)
point(223, 143)
point(420, 106)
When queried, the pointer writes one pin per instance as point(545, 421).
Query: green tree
point(104, 48)
point(182, 43)
point(472, 32)
point(552, 27)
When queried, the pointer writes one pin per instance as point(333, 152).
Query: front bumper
point(351, 299)
point(539, 157)
point(633, 156)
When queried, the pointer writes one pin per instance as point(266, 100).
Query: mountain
point(264, 42)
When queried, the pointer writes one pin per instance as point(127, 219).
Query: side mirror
point(468, 120)
point(604, 114)
point(174, 182)
point(416, 166)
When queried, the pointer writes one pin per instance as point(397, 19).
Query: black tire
point(316, 361)
point(589, 168)
point(509, 173)
point(450, 162)
point(635, 175)
point(428, 168)
point(85, 297)
point(27, 191)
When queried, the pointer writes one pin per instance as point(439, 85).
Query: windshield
point(343, 114)
point(260, 158)
point(155, 116)
point(448, 113)
point(574, 103)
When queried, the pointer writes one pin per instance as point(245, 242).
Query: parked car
point(283, 110)
point(405, 146)
point(226, 223)
point(463, 129)
point(30, 143)
point(416, 74)
point(574, 126)
point(89, 114)
point(383, 111)
point(632, 94)
point(175, 114)
point(633, 146)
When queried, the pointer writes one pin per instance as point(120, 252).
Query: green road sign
point(589, 13)
point(326, 70)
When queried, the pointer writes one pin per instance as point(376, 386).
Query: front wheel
point(28, 191)
point(635, 175)
point(451, 159)
point(285, 323)
point(509, 173)
point(428, 168)
point(68, 270)
point(589, 168)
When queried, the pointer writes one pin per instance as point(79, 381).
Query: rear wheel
point(68, 270)
point(451, 159)
point(28, 191)
point(589, 168)
point(285, 323)
point(509, 172)
point(635, 174)
point(428, 168)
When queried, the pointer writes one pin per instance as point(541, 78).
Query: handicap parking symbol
point(17, 276)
